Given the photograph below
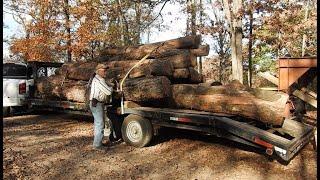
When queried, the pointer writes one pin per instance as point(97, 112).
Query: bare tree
point(233, 13)
point(219, 32)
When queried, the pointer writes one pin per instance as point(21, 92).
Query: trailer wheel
point(136, 131)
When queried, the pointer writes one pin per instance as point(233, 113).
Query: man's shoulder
point(99, 78)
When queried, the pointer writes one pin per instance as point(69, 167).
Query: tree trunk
point(193, 17)
point(238, 42)
point(137, 7)
point(250, 47)
point(147, 89)
point(124, 24)
point(266, 106)
point(235, 23)
point(304, 37)
point(67, 14)
point(188, 26)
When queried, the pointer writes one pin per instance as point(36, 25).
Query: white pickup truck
point(17, 80)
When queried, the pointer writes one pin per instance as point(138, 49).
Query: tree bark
point(58, 87)
point(264, 106)
point(182, 60)
point(186, 75)
point(163, 49)
point(84, 70)
point(137, 7)
point(250, 46)
point(193, 17)
point(67, 14)
point(304, 37)
point(182, 73)
point(147, 89)
point(74, 92)
point(203, 50)
point(235, 24)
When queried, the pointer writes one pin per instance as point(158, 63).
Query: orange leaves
point(33, 49)
point(284, 28)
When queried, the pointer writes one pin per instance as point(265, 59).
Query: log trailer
point(138, 125)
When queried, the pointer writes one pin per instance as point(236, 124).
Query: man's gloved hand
point(109, 82)
point(118, 94)
point(94, 102)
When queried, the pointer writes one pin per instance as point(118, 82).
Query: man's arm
point(104, 87)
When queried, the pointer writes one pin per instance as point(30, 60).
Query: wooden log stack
point(168, 75)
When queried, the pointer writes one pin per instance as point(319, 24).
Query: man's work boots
point(103, 147)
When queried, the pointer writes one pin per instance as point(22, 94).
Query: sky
point(172, 19)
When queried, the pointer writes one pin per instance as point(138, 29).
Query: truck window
point(29, 73)
point(14, 70)
point(51, 71)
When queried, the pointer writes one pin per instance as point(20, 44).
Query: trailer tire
point(136, 131)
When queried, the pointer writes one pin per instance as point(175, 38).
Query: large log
point(147, 89)
point(75, 69)
point(83, 71)
point(181, 73)
point(48, 87)
point(140, 51)
point(186, 75)
point(203, 50)
point(179, 59)
point(182, 60)
point(58, 87)
point(195, 77)
point(80, 73)
point(74, 91)
point(265, 106)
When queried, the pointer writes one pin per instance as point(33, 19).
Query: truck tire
point(136, 131)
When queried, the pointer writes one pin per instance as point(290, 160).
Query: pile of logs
point(170, 62)
point(167, 75)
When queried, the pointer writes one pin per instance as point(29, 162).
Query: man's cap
point(102, 66)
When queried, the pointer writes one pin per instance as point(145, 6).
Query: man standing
point(100, 94)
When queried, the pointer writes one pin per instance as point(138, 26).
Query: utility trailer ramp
point(285, 141)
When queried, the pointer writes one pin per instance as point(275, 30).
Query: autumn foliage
point(84, 28)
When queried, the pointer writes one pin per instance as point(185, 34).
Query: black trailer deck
point(285, 141)
point(59, 106)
